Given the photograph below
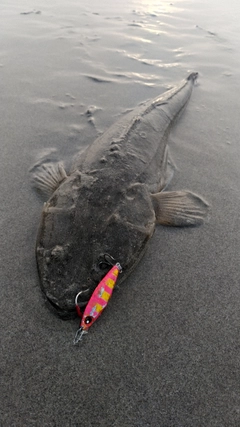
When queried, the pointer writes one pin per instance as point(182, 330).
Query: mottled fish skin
point(105, 205)
point(135, 145)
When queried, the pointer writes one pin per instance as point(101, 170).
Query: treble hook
point(76, 302)
point(76, 297)
point(79, 334)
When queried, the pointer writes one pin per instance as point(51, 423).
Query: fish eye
point(105, 261)
point(103, 265)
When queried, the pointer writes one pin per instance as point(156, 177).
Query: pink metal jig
point(97, 302)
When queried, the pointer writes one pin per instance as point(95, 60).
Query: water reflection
point(155, 7)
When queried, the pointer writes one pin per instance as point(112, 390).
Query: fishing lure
point(97, 302)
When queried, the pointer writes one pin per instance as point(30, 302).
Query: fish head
point(81, 223)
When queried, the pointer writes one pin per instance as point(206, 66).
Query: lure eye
point(88, 320)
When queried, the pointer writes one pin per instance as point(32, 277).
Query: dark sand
point(166, 351)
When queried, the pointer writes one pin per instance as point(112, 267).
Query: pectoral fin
point(48, 177)
point(179, 208)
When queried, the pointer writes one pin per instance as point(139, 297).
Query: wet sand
point(165, 353)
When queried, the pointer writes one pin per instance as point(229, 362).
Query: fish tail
point(193, 76)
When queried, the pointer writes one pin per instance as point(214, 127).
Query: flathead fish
point(111, 201)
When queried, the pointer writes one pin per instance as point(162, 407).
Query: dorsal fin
point(48, 177)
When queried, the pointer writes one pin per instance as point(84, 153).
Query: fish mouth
point(70, 312)
point(65, 314)
point(64, 305)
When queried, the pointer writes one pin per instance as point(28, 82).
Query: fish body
point(111, 201)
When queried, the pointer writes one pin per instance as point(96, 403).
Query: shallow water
point(166, 351)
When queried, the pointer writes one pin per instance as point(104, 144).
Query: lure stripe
point(110, 283)
point(105, 296)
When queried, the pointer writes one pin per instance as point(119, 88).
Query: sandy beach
point(165, 353)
